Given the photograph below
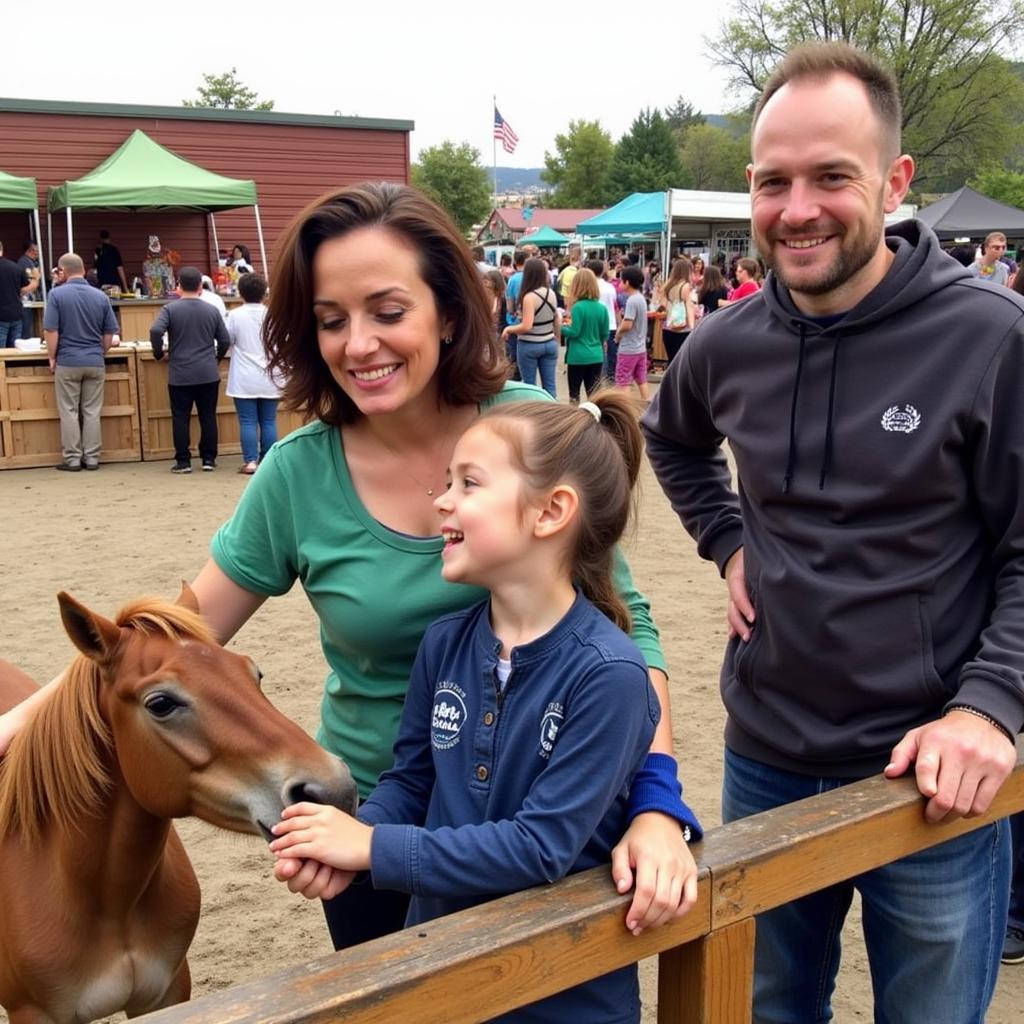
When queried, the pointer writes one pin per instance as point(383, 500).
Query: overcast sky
point(437, 65)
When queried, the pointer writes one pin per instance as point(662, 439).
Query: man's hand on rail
point(665, 871)
point(960, 762)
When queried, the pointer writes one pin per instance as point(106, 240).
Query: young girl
point(585, 336)
point(527, 714)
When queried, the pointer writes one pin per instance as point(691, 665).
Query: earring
point(447, 339)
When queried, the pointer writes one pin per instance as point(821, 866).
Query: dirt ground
point(134, 529)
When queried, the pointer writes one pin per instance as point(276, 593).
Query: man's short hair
point(190, 279)
point(751, 266)
point(104, 235)
point(71, 263)
point(633, 276)
point(823, 60)
point(520, 257)
point(597, 266)
point(993, 236)
point(29, 244)
point(252, 287)
point(478, 252)
point(963, 254)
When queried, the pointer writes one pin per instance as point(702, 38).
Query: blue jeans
point(10, 332)
point(538, 355)
point(257, 424)
point(934, 922)
point(611, 356)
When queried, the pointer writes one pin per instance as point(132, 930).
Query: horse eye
point(159, 705)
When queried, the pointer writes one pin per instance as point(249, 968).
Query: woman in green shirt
point(585, 335)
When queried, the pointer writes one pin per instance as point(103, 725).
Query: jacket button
point(489, 718)
point(481, 772)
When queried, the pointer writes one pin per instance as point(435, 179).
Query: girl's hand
point(315, 832)
point(665, 871)
point(312, 879)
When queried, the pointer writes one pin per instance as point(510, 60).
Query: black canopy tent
point(968, 214)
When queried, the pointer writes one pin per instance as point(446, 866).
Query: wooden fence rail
point(481, 962)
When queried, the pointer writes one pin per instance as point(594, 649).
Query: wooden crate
point(30, 424)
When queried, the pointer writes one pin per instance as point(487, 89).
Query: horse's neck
point(114, 850)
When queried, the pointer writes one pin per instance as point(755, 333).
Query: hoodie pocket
point(821, 664)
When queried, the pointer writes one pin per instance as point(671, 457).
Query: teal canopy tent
point(642, 213)
point(20, 194)
point(544, 238)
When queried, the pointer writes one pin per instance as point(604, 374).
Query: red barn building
point(291, 157)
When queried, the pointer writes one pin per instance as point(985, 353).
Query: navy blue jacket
point(492, 793)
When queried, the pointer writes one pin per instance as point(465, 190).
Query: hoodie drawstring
point(826, 460)
point(791, 458)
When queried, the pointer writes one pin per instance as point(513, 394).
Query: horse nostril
point(300, 792)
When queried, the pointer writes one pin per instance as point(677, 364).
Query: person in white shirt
point(209, 296)
point(250, 383)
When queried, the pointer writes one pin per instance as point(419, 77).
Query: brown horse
point(154, 720)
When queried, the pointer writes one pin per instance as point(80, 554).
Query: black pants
point(673, 342)
point(587, 374)
point(204, 396)
point(362, 913)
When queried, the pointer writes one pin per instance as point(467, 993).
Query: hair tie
point(592, 409)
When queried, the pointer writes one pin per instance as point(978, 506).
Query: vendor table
point(30, 424)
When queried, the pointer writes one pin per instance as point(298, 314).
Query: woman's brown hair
point(553, 444)
point(535, 275)
point(470, 368)
point(680, 274)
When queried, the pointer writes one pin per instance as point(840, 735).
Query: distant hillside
point(519, 179)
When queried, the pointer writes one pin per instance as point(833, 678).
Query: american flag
point(503, 131)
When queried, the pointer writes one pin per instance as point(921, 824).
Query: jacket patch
point(448, 716)
point(549, 725)
point(904, 421)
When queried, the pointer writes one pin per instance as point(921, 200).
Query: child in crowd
point(585, 336)
point(631, 334)
point(529, 714)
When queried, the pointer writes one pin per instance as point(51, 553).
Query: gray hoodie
point(880, 467)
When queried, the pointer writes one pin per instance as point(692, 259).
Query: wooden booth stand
point(493, 958)
point(30, 424)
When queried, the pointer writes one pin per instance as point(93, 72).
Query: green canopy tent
point(20, 194)
point(544, 238)
point(142, 174)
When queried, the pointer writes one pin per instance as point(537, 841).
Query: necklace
point(401, 461)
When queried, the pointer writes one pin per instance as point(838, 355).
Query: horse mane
point(55, 768)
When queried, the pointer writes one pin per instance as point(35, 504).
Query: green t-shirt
point(374, 591)
point(586, 335)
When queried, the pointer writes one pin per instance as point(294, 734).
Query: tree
point(645, 158)
point(681, 115)
point(958, 92)
point(1000, 184)
point(579, 166)
point(712, 159)
point(451, 175)
point(228, 93)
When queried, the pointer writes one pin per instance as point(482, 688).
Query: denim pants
point(10, 332)
point(538, 355)
point(257, 425)
point(934, 922)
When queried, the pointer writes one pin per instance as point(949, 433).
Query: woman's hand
point(653, 851)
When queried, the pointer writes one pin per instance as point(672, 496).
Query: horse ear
point(95, 636)
point(187, 598)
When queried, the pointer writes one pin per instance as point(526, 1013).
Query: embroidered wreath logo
point(904, 421)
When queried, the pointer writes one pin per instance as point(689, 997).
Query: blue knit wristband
point(656, 787)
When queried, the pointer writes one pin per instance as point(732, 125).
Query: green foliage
point(712, 158)
point(645, 158)
point(579, 166)
point(451, 175)
point(228, 93)
point(1000, 184)
point(681, 115)
point(960, 97)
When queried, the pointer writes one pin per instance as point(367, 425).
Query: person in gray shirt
point(197, 339)
point(991, 268)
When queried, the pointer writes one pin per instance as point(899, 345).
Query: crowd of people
point(503, 701)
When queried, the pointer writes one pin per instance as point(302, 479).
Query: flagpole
point(494, 146)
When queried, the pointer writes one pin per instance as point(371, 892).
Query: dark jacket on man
point(197, 338)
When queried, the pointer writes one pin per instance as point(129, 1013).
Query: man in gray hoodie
point(874, 555)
